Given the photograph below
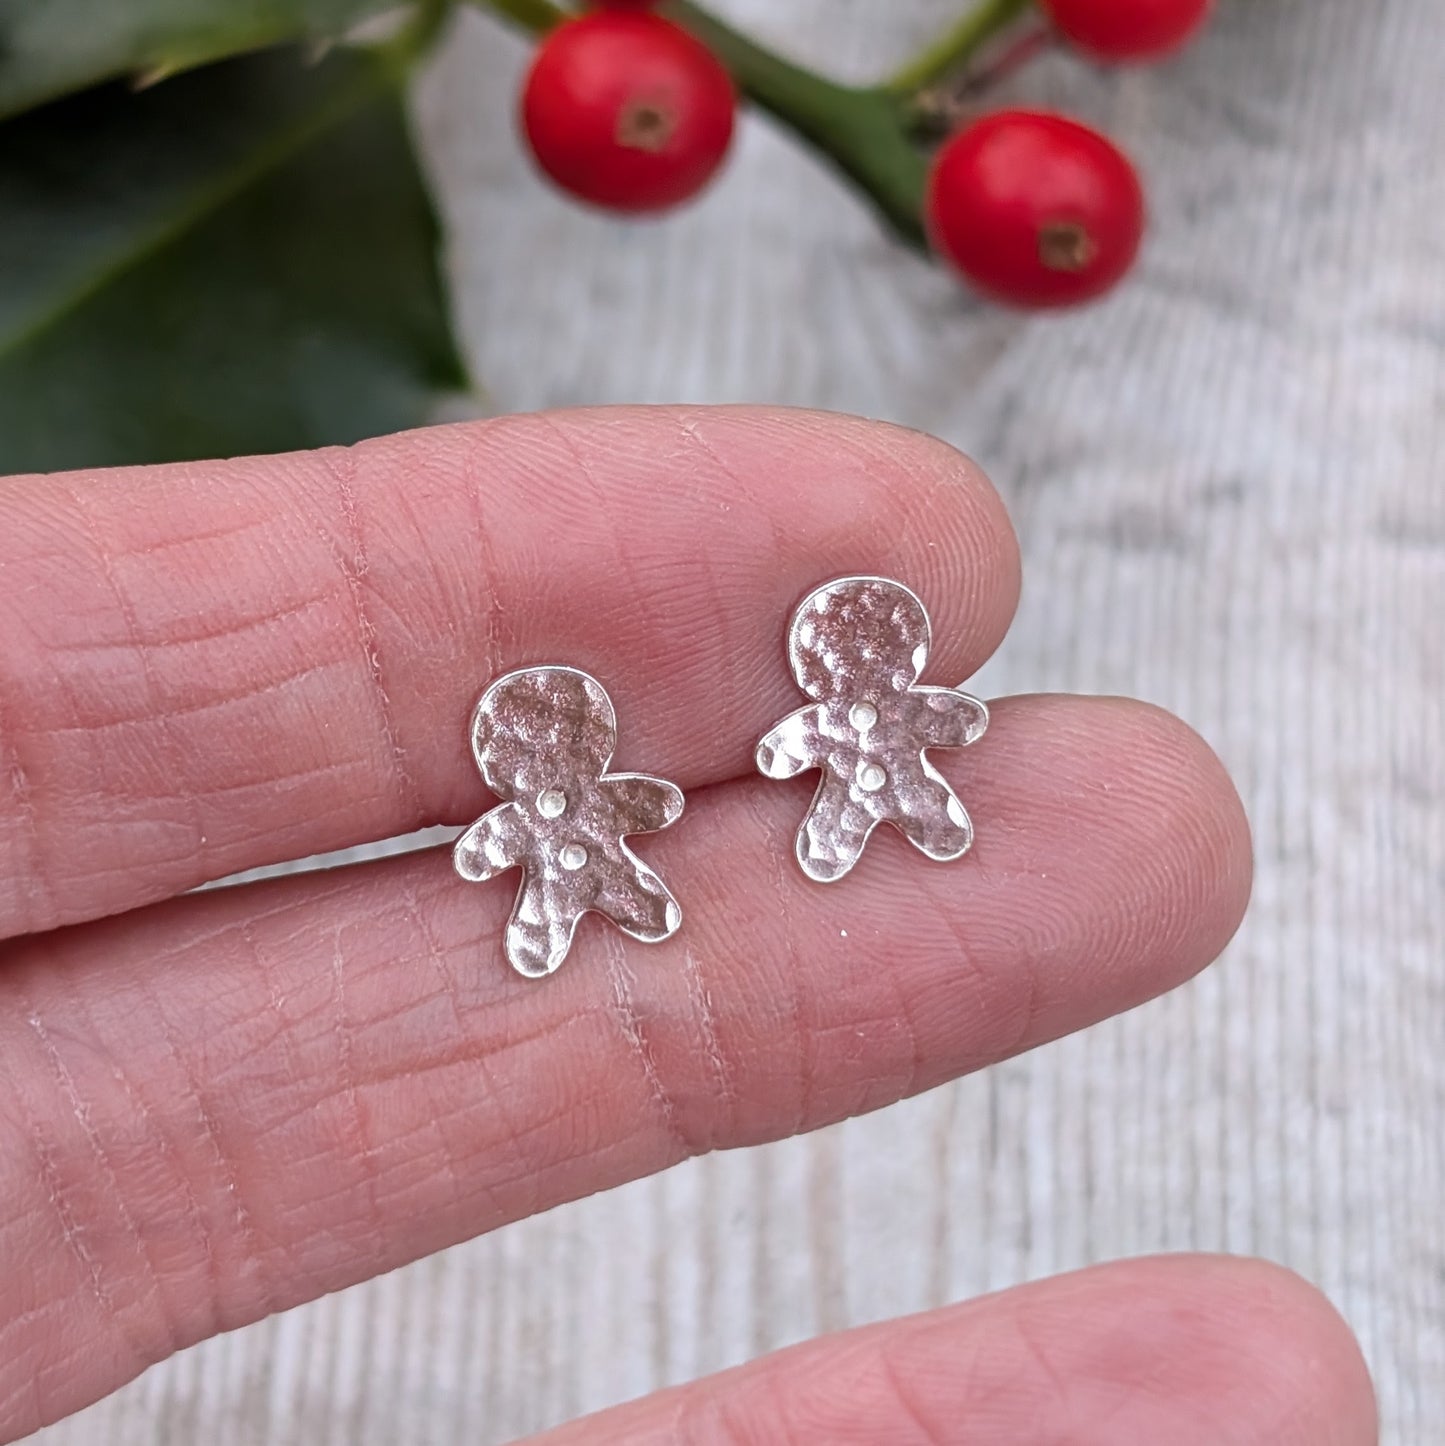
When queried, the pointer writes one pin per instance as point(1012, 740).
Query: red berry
point(1127, 29)
point(627, 111)
point(1035, 209)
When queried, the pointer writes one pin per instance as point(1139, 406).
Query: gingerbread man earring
point(858, 646)
point(543, 738)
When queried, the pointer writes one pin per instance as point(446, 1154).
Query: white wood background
point(1230, 484)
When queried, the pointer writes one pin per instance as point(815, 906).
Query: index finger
point(210, 667)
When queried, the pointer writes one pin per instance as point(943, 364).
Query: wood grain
point(1228, 483)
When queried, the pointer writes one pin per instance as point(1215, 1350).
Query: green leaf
point(50, 48)
point(243, 259)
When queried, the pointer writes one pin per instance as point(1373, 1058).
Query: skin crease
point(216, 1106)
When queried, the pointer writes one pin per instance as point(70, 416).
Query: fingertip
point(1115, 777)
point(1214, 1337)
point(1193, 782)
point(1189, 1349)
point(876, 498)
point(940, 505)
point(1312, 1354)
point(1199, 798)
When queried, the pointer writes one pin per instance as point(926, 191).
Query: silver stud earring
point(543, 738)
point(857, 646)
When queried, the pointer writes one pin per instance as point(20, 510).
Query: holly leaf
point(50, 48)
point(243, 259)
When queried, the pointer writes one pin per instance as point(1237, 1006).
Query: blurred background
point(1229, 481)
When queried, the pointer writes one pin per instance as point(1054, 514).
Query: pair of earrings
point(543, 738)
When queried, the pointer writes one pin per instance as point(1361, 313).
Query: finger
point(210, 667)
point(232, 1102)
point(1188, 1351)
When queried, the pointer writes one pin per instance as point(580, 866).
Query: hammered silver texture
point(858, 646)
point(542, 738)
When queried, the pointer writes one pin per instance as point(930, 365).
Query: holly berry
point(627, 110)
point(1124, 30)
point(1035, 209)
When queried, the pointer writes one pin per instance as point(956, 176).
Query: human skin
point(217, 1106)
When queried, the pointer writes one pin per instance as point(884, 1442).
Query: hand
point(218, 1105)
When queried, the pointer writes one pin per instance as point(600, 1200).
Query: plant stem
point(957, 45)
point(1014, 56)
point(416, 38)
point(863, 133)
point(538, 16)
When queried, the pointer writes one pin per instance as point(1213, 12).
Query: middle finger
point(239, 1100)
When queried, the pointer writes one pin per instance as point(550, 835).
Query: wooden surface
point(1230, 485)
